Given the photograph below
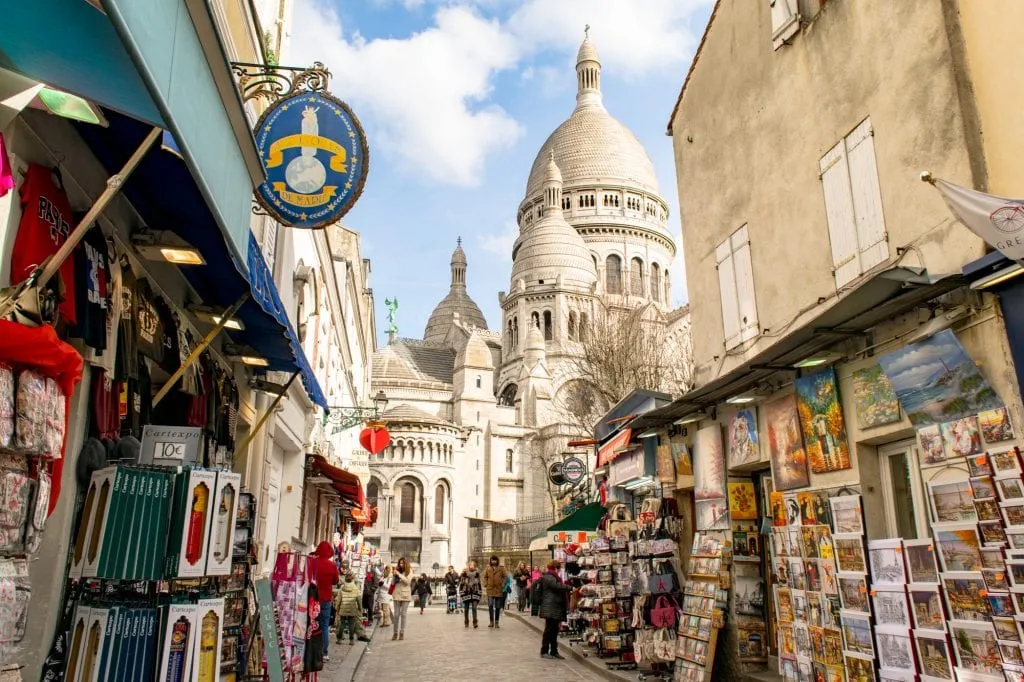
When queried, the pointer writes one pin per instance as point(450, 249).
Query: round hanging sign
point(555, 474)
point(316, 158)
point(574, 469)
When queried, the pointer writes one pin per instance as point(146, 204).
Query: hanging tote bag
point(620, 521)
point(663, 613)
point(664, 648)
point(662, 583)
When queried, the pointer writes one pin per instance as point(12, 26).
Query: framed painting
point(952, 502)
point(873, 398)
point(1013, 514)
point(959, 546)
point(961, 438)
point(983, 487)
point(821, 422)
point(681, 457)
point(955, 389)
point(895, 650)
point(857, 633)
point(966, 596)
point(853, 590)
point(785, 444)
point(742, 440)
point(929, 438)
point(1005, 463)
point(935, 655)
point(846, 514)
point(709, 464)
point(742, 501)
point(849, 549)
point(889, 603)
point(975, 647)
point(921, 564)
point(886, 559)
point(978, 465)
point(995, 425)
point(926, 607)
point(1010, 488)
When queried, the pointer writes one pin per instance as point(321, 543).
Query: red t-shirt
point(45, 225)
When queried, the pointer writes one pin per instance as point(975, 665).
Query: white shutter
point(785, 21)
point(746, 302)
point(842, 226)
point(867, 197)
point(727, 288)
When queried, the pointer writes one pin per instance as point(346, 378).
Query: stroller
point(453, 603)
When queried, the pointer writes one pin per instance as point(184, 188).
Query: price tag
point(168, 450)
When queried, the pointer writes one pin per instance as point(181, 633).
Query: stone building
point(475, 415)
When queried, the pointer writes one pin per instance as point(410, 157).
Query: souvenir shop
point(128, 340)
point(869, 509)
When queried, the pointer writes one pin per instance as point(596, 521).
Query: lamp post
point(345, 417)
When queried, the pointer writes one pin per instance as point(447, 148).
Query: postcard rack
point(703, 616)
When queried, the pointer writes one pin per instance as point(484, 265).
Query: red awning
point(347, 484)
point(611, 449)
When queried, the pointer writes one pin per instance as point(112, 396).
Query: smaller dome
point(551, 173)
point(587, 53)
point(457, 301)
point(458, 255)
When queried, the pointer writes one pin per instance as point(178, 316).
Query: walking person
point(423, 592)
point(551, 595)
point(349, 610)
point(401, 595)
point(451, 589)
point(326, 576)
point(369, 592)
point(521, 576)
point(469, 586)
point(384, 598)
point(495, 577)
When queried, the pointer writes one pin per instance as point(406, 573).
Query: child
point(348, 605)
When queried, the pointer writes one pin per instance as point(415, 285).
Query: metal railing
point(510, 539)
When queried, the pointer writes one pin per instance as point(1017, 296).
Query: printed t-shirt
point(148, 323)
point(127, 332)
point(93, 289)
point(45, 225)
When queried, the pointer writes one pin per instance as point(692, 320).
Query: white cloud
point(423, 98)
point(500, 243)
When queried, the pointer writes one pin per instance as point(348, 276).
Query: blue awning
point(163, 192)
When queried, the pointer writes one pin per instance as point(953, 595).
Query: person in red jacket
point(325, 576)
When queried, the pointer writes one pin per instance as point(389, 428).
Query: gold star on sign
point(348, 185)
point(267, 128)
point(302, 215)
point(351, 133)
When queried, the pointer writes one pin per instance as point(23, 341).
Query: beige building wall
point(753, 124)
point(995, 64)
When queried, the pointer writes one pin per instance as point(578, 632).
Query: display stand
point(703, 616)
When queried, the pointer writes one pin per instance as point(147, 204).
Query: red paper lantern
point(375, 439)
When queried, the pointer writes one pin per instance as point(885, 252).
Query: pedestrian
point(369, 592)
point(325, 576)
point(384, 598)
point(402, 595)
point(534, 579)
point(522, 578)
point(495, 577)
point(551, 596)
point(423, 592)
point(349, 611)
point(469, 587)
point(506, 592)
point(451, 589)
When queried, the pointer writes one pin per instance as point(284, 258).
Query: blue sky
point(457, 96)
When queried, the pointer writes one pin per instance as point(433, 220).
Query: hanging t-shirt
point(127, 366)
point(136, 404)
point(107, 359)
point(45, 225)
point(171, 358)
point(149, 325)
point(106, 406)
point(93, 291)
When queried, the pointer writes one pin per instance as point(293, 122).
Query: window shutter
point(744, 272)
point(785, 21)
point(842, 227)
point(867, 197)
point(727, 288)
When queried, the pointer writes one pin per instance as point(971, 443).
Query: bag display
point(661, 583)
point(664, 547)
point(663, 647)
point(620, 521)
point(663, 613)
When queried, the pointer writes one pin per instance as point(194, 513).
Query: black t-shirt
point(171, 358)
point(148, 322)
point(137, 402)
point(92, 279)
point(127, 366)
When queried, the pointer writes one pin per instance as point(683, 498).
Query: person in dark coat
point(423, 592)
point(552, 596)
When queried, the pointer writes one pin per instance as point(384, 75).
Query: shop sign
point(170, 446)
point(627, 467)
point(556, 537)
point(271, 630)
point(555, 474)
point(574, 469)
point(316, 158)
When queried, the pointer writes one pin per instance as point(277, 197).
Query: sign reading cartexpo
point(170, 446)
point(316, 158)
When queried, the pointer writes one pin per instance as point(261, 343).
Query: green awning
point(583, 519)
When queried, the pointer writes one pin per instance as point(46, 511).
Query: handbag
point(663, 547)
point(663, 613)
point(661, 583)
point(664, 648)
point(621, 521)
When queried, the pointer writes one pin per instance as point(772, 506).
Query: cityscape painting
point(821, 422)
point(936, 381)
point(952, 502)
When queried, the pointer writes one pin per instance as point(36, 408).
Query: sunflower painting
point(742, 501)
point(822, 423)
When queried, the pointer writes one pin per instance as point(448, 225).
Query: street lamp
point(346, 417)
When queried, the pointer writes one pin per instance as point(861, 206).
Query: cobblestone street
point(438, 647)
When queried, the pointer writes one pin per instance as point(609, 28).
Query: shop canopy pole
point(44, 273)
point(224, 318)
point(263, 419)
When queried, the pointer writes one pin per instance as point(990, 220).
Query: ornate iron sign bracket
point(262, 82)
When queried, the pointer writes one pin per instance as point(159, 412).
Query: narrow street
point(438, 647)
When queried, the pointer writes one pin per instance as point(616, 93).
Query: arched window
point(535, 317)
point(566, 203)
point(508, 396)
point(572, 325)
point(407, 508)
point(548, 331)
point(655, 282)
point(479, 382)
point(372, 493)
point(509, 338)
point(515, 332)
point(584, 326)
point(613, 274)
point(439, 500)
point(668, 289)
point(508, 461)
point(636, 277)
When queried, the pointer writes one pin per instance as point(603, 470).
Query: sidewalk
point(580, 653)
point(345, 657)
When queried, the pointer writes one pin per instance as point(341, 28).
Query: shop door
point(906, 514)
